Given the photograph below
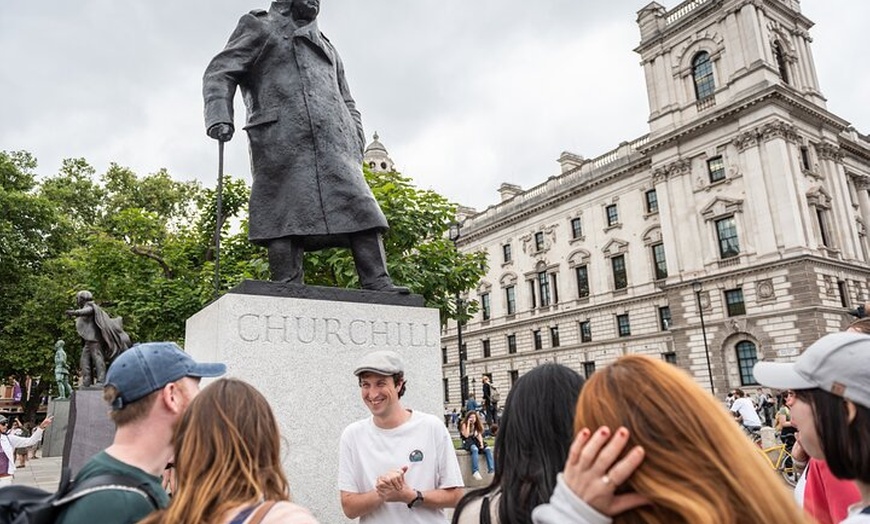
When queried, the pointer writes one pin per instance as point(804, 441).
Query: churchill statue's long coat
point(305, 134)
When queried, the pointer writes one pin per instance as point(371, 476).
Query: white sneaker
point(477, 475)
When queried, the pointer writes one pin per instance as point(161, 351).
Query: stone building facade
point(747, 198)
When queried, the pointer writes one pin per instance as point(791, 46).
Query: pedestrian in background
point(652, 446)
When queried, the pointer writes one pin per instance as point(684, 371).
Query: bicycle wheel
point(788, 471)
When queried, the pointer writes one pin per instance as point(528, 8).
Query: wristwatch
point(417, 500)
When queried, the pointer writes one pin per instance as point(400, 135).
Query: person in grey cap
point(9, 443)
point(148, 388)
point(399, 465)
point(831, 383)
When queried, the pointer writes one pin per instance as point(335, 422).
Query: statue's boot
point(371, 263)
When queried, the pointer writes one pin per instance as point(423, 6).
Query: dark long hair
point(535, 433)
point(845, 444)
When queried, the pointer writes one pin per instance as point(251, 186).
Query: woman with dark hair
point(653, 447)
point(471, 431)
point(534, 434)
point(228, 462)
point(831, 410)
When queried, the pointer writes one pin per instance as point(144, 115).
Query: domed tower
point(377, 158)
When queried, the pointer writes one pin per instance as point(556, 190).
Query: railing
point(683, 9)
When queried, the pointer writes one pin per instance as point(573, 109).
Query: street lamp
point(454, 233)
point(696, 287)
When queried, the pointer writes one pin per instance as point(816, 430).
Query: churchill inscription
point(251, 327)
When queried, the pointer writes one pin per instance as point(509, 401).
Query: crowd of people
point(639, 441)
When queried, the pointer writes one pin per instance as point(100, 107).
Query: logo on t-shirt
point(416, 456)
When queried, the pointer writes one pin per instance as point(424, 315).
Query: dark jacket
point(306, 136)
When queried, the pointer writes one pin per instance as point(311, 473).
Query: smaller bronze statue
point(104, 338)
point(61, 371)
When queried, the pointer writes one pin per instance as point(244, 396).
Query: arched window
point(780, 61)
point(747, 356)
point(702, 72)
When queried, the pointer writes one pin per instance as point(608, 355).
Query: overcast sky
point(465, 94)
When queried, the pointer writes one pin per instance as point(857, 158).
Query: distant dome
point(376, 145)
point(376, 157)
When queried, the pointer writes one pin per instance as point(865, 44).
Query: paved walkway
point(43, 472)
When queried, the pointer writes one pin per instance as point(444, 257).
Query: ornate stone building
point(747, 197)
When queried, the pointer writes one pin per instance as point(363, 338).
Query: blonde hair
point(227, 455)
point(698, 468)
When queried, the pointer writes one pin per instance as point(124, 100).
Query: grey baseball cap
point(3, 420)
point(380, 362)
point(838, 363)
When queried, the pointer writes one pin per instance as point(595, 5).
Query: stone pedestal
point(89, 430)
point(55, 436)
point(299, 348)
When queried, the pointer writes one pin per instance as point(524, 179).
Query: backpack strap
point(109, 481)
point(865, 511)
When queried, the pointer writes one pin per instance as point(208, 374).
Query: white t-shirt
point(746, 409)
point(422, 443)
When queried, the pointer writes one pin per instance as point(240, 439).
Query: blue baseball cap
point(145, 368)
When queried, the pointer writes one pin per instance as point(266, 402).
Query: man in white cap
point(398, 466)
point(148, 388)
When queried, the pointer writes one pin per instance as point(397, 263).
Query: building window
point(554, 336)
point(734, 302)
point(620, 278)
point(746, 359)
point(726, 231)
point(588, 369)
point(463, 352)
point(659, 262)
point(716, 169)
point(702, 72)
point(536, 336)
point(486, 350)
point(821, 215)
point(586, 331)
point(623, 327)
point(652, 201)
point(844, 293)
point(612, 215)
point(506, 253)
point(510, 295)
point(576, 228)
point(665, 318)
point(446, 389)
point(805, 158)
point(539, 241)
point(514, 376)
point(485, 306)
point(670, 357)
point(444, 355)
point(512, 344)
point(780, 61)
point(544, 287)
point(582, 281)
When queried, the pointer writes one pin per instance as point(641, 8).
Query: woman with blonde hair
point(687, 461)
point(228, 462)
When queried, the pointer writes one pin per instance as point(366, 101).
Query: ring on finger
point(606, 479)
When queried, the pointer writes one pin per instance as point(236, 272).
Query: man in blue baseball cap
point(148, 388)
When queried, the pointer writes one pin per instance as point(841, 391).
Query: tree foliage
point(144, 246)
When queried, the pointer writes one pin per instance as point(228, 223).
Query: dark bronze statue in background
point(104, 338)
point(306, 142)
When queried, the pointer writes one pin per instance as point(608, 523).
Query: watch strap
point(417, 499)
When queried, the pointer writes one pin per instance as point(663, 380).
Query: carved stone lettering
point(284, 329)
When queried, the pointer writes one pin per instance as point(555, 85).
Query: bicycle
point(784, 463)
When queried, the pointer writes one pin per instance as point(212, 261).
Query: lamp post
point(454, 233)
point(696, 287)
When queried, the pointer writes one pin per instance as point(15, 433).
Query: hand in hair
point(593, 474)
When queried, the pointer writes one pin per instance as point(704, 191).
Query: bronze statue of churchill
point(306, 142)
